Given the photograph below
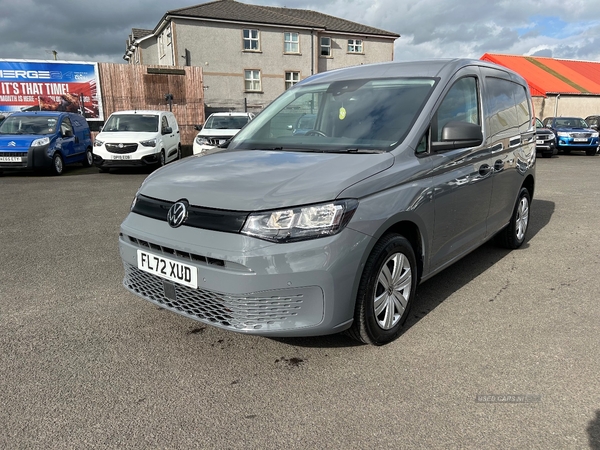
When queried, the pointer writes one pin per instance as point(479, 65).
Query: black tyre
point(513, 235)
point(58, 165)
point(591, 152)
point(89, 158)
point(567, 151)
point(386, 291)
point(178, 153)
point(161, 159)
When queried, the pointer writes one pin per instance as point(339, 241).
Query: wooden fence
point(129, 86)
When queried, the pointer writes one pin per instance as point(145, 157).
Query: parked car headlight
point(149, 143)
point(595, 134)
point(301, 223)
point(98, 143)
point(202, 141)
point(41, 141)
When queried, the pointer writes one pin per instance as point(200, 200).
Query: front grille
point(19, 154)
point(543, 137)
point(121, 148)
point(214, 141)
point(234, 312)
point(581, 135)
point(198, 217)
point(167, 251)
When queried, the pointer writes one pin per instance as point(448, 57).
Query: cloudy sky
point(87, 30)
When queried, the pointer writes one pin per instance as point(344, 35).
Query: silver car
point(409, 167)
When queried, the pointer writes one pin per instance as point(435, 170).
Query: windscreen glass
point(345, 115)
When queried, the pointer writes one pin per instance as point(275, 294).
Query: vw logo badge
point(120, 145)
point(178, 213)
point(12, 144)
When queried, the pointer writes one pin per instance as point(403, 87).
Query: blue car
point(44, 140)
point(573, 133)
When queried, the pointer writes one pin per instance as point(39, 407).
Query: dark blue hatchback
point(44, 140)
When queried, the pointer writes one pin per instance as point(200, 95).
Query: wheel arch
point(529, 184)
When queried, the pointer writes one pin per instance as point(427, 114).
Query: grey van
point(409, 167)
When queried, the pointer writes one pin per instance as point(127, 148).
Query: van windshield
point(28, 125)
point(132, 122)
point(353, 115)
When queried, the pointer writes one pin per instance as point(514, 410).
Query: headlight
point(297, 224)
point(202, 141)
point(98, 143)
point(149, 143)
point(595, 134)
point(41, 141)
point(563, 134)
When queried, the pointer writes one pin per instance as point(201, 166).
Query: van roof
point(140, 111)
point(428, 68)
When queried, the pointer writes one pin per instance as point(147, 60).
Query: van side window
point(523, 113)
point(503, 113)
point(66, 129)
point(460, 104)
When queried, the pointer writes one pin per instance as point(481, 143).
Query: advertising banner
point(50, 86)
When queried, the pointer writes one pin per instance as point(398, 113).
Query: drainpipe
point(312, 51)
point(556, 105)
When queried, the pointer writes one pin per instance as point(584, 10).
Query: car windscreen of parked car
point(350, 115)
point(132, 122)
point(570, 122)
point(28, 125)
point(226, 122)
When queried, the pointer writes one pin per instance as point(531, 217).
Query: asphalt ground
point(502, 350)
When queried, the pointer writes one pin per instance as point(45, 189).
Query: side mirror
point(167, 130)
point(457, 134)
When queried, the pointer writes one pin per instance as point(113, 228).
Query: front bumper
point(34, 158)
point(248, 285)
point(143, 156)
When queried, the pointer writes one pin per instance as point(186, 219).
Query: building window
point(355, 46)
point(325, 46)
point(291, 78)
point(251, 41)
point(161, 45)
point(291, 43)
point(252, 80)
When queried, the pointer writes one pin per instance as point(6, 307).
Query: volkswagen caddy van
point(409, 166)
point(44, 140)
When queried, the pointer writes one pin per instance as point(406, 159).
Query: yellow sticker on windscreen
point(342, 115)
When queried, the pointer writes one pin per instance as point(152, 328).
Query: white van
point(218, 128)
point(137, 138)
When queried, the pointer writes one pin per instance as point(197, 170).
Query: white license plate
point(580, 140)
point(168, 269)
point(10, 159)
point(121, 157)
point(539, 141)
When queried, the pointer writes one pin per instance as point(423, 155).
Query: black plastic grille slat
point(20, 154)
point(125, 148)
point(198, 217)
point(212, 307)
point(173, 252)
